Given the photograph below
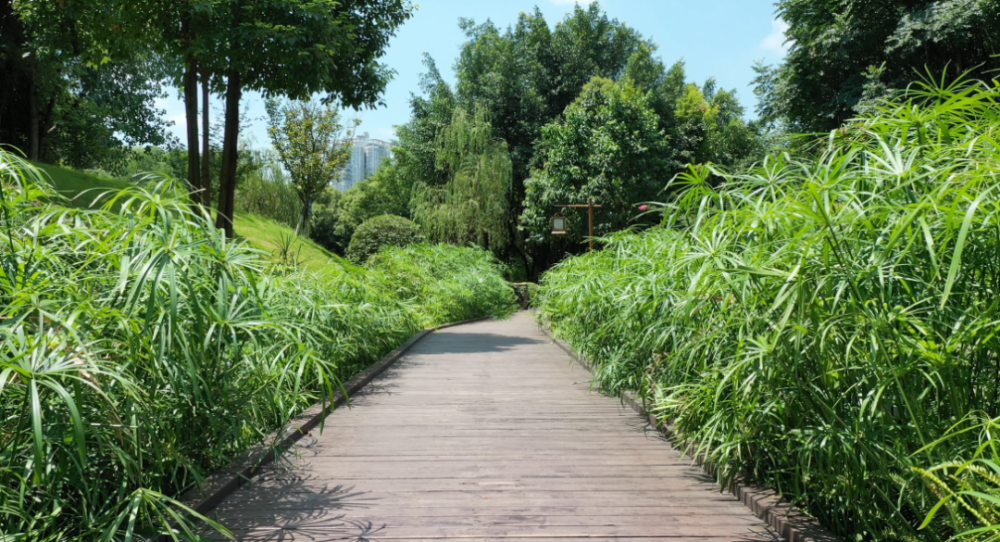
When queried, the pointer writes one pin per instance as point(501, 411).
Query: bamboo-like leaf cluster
point(140, 350)
point(825, 323)
point(476, 287)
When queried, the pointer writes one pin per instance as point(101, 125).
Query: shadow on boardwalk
point(299, 506)
point(480, 343)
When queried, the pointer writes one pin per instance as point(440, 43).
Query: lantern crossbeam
point(559, 221)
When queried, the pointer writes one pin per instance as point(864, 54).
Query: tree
point(709, 128)
point(527, 75)
point(472, 206)
point(845, 55)
point(78, 81)
point(416, 147)
point(297, 48)
point(312, 146)
point(608, 148)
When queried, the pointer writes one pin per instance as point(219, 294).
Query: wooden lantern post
point(590, 206)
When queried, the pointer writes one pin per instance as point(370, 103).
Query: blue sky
point(716, 38)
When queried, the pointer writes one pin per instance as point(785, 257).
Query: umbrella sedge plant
point(140, 350)
point(824, 323)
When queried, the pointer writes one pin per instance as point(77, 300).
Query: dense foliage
point(471, 205)
point(140, 349)
point(475, 287)
point(825, 325)
point(325, 220)
point(381, 232)
point(608, 148)
point(265, 191)
point(526, 78)
point(79, 78)
point(845, 55)
point(67, 93)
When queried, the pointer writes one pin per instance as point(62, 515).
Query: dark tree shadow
point(469, 343)
point(282, 504)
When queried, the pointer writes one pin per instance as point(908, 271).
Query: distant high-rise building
point(366, 157)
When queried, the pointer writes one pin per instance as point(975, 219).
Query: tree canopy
point(845, 55)
point(526, 76)
point(78, 81)
point(297, 48)
point(313, 146)
point(472, 205)
point(609, 148)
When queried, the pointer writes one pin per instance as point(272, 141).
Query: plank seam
point(221, 484)
point(789, 521)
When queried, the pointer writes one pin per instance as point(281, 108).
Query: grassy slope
point(265, 235)
point(259, 231)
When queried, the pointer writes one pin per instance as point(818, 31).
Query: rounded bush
point(379, 232)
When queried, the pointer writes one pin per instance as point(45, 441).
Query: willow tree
point(472, 205)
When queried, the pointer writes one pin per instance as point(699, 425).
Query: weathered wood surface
point(486, 431)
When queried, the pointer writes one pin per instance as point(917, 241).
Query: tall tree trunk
point(206, 151)
point(230, 148)
point(191, 116)
point(33, 120)
point(303, 226)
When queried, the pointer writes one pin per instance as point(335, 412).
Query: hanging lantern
point(558, 224)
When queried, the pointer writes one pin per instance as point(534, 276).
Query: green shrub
point(825, 325)
point(380, 232)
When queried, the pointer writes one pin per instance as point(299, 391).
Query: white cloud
point(775, 41)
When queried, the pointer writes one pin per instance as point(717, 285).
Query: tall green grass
point(474, 287)
point(825, 323)
point(140, 350)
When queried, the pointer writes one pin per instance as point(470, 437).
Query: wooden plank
point(667, 513)
point(476, 470)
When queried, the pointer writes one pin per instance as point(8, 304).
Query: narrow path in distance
point(486, 431)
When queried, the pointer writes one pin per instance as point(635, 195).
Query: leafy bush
point(380, 232)
point(141, 350)
point(474, 287)
point(824, 325)
point(324, 223)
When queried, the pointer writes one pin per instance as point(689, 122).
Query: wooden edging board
point(791, 523)
point(221, 484)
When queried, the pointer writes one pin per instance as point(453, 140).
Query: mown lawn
point(83, 188)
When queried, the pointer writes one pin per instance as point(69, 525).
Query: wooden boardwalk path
point(486, 431)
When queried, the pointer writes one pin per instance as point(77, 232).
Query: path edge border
point(224, 482)
point(789, 521)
